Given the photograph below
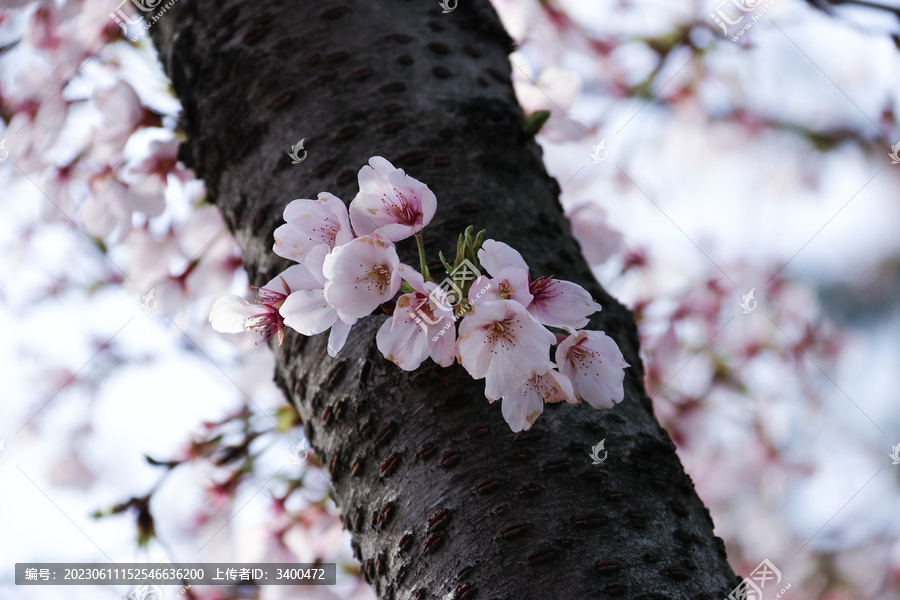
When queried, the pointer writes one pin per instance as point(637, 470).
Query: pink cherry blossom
point(361, 275)
point(502, 343)
point(390, 202)
point(553, 302)
point(161, 160)
point(598, 240)
point(233, 314)
point(522, 408)
point(310, 223)
point(510, 283)
point(42, 33)
point(595, 365)
point(306, 310)
point(122, 113)
point(555, 90)
point(111, 203)
point(420, 327)
point(562, 304)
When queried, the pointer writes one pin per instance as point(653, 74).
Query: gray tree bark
point(442, 499)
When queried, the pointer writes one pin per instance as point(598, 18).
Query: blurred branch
point(826, 5)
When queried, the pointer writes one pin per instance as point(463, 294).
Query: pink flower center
point(542, 289)
point(402, 208)
point(269, 322)
point(506, 290)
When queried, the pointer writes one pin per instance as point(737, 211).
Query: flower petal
point(562, 304)
point(443, 350)
point(413, 278)
point(308, 312)
point(594, 363)
point(495, 255)
point(229, 314)
point(521, 408)
point(338, 337)
point(295, 278)
point(503, 376)
point(401, 339)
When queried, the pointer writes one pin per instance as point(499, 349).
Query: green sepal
point(535, 121)
point(447, 265)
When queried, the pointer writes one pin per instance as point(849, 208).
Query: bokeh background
point(695, 170)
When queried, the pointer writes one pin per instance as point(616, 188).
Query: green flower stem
point(422, 266)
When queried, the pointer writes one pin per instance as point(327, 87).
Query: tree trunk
point(442, 499)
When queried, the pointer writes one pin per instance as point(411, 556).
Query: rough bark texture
point(442, 499)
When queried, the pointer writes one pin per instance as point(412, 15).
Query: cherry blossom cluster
point(496, 325)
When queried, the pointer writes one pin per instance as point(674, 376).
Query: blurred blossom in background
point(133, 432)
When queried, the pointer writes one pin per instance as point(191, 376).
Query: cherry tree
point(418, 130)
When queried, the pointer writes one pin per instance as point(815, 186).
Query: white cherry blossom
point(553, 302)
point(361, 275)
point(522, 407)
point(233, 314)
point(595, 365)
point(306, 310)
point(502, 343)
point(420, 327)
point(310, 223)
